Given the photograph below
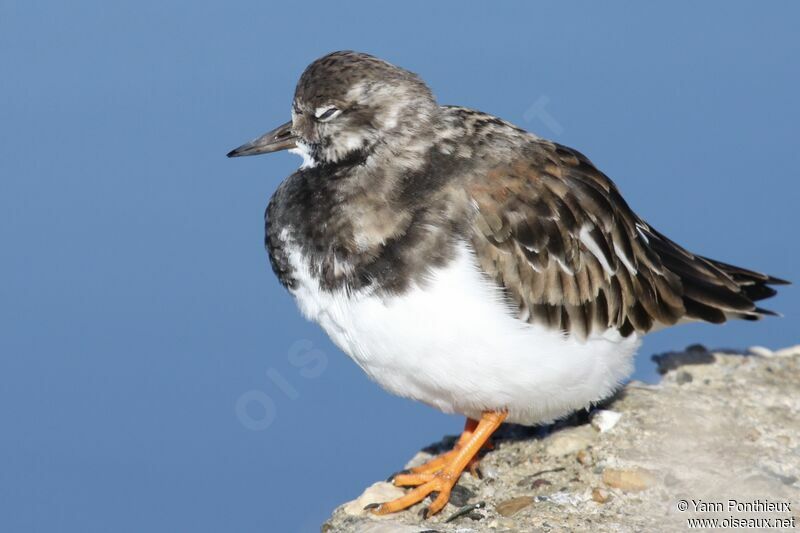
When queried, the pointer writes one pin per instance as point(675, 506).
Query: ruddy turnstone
point(466, 263)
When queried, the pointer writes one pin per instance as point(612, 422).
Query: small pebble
point(569, 441)
point(539, 483)
point(513, 506)
point(603, 419)
point(584, 458)
point(634, 479)
point(489, 472)
point(460, 495)
point(752, 435)
point(600, 495)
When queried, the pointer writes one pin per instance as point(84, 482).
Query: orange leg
point(444, 479)
point(438, 462)
point(424, 472)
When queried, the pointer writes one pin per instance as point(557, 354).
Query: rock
point(502, 524)
point(513, 506)
point(694, 355)
point(696, 348)
point(570, 440)
point(761, 351)
point(600, 495)
point(460, 495)
point(376, 493)
point(584, 458)
point(634, 479)
point(752, 434)
point(732, 432)
point(603, 419)
point(539, 483)
point(788, 352)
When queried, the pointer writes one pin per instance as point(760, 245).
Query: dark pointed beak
point(281, 138)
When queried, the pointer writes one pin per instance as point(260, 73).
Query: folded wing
point(555, 233)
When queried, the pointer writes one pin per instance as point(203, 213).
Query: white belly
point(453, 345)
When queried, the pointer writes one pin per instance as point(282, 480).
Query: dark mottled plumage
point(398, 181)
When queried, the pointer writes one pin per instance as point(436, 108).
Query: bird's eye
point(326, 113)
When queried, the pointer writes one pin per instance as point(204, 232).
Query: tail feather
point(715, 291)
point(755, 286)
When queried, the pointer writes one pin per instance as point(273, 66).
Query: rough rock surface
point(719, 426)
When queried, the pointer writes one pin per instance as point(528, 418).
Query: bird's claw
point(398, 473)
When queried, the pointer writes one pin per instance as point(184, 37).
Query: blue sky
point(154, 374)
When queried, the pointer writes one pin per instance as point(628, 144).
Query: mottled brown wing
point(556, 234)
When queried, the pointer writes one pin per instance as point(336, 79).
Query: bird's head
point(345, 105)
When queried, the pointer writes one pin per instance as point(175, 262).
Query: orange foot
point(421, 474)
point(442, 473)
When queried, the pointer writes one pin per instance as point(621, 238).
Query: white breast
point(452, 344)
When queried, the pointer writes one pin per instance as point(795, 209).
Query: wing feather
point(556, 234)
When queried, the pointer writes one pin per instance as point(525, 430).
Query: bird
point(466, 263)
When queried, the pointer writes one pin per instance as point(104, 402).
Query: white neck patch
point(303, 151)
